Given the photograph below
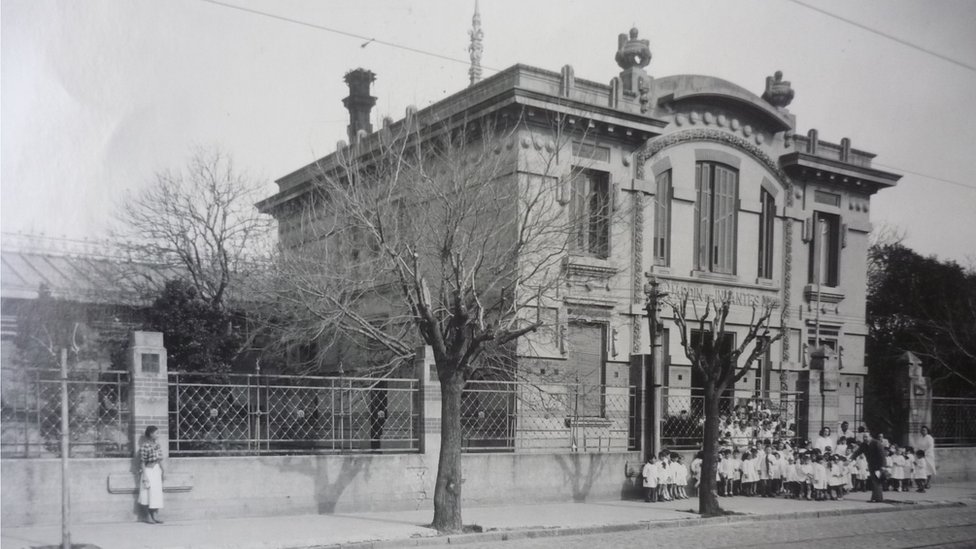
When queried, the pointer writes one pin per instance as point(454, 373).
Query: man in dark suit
point(874, 453)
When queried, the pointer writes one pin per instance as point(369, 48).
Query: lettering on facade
point(702, 293)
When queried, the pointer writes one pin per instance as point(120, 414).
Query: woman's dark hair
point(150, 430)
point(926, 427)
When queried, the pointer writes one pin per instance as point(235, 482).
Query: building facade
point(704, 184)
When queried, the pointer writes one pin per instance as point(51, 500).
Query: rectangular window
point(824, 267)
point(829, 199)
point(590, 151)
point(716, 186)
point(662, 219)
point(591, 213)
point(767, 217)
point(585, 369)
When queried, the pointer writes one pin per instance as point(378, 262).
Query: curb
point(531, 533)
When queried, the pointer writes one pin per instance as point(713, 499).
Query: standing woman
point(927, 444)
point(151, 483)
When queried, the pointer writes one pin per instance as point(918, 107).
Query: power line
point(367, 39)
point(886, 35)
point(927, 176)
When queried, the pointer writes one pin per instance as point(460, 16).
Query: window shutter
point(808, 229)
point(843, 235)
point(703, 208)
point(723, 242)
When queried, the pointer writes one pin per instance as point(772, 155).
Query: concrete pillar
point(148, 393)
point(917, 391)
point(430, 402)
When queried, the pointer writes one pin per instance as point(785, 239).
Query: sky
point(96, 96)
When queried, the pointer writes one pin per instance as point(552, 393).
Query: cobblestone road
point(928, 528)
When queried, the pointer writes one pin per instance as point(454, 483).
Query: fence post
point(148, 395)
point(430, 403)
point(65, 451)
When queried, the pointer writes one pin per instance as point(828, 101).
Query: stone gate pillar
point(148, 393)
point(819, 386)
point(917, 392)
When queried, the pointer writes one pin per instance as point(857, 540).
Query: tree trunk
point(447, 489)
point(707, 495)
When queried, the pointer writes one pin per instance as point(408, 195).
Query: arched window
point(717, 191)
point(662, 219)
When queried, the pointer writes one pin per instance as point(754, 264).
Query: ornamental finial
point(778, 92)
point(631, 51)
point(476, 47)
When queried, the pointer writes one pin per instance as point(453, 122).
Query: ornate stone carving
point(476, 47)
point(635, 337)
point(637, 271)
point(778, 92)
point(632, 52)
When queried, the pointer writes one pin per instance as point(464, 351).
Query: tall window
point(585, 368)
point(662, 219)
point(824, 265)
point(767, 215)
point(715, 215)
point(591, 213)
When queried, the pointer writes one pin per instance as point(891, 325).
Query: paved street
point(946, 527)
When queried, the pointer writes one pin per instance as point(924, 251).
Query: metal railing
point(251, 414)
point(953, 421)
point(98, 413)
point(510, 416)
point(683, 417)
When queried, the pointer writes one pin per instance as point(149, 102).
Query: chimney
point(359, 102)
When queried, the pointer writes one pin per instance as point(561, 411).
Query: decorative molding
point(578, 267)
point(595, 306)
point(654, 146)
point(828, 295)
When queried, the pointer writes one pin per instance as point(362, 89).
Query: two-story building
point(705, 184)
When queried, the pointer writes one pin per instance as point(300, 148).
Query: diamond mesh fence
point(772, 416)
point(277, 414)
point(98, 413)
point(500, 416)
point(953, 421)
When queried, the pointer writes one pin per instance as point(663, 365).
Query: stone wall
point(103, 490)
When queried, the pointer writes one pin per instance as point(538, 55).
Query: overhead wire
point(889, 36)
point(367, 39)
point(370, 40)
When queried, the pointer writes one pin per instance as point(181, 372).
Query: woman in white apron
point(927, 444)
point(151, 481)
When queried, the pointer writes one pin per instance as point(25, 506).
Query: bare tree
point(432, 236)
point(201, 221)
point(720, 367)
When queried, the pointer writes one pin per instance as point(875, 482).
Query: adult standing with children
point(927, 444)
point(874, 452)
point(151, 479)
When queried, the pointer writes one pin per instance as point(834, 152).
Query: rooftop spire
point(476, 46)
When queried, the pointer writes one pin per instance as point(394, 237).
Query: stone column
point(148, 393)
point(918, 397)
point(429, 404)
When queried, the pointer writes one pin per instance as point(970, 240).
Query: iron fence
point(279, 414)
point(509, 416)
point(98, 413)
point(774, 416)
point(954, 421)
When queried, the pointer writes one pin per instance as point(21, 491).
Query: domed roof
point(674, 89)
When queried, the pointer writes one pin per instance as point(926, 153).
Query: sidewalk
point(404, 527)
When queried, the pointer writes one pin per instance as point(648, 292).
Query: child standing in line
point(696, 469)
point(836, 481)
point(897, 469)
point(819, 478)
point(664, 477)
point(736, 473)
point(861, 468)
point(806, 476)
point(908, 459)
point(791, 480)
point(649, 472)
point(750, 474)
point(679, 477)
point(920, 471)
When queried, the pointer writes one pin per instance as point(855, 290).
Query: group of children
point(665, 477)
point(782, 471)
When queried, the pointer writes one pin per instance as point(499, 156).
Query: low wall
point(955, 464)
point(102, 490)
